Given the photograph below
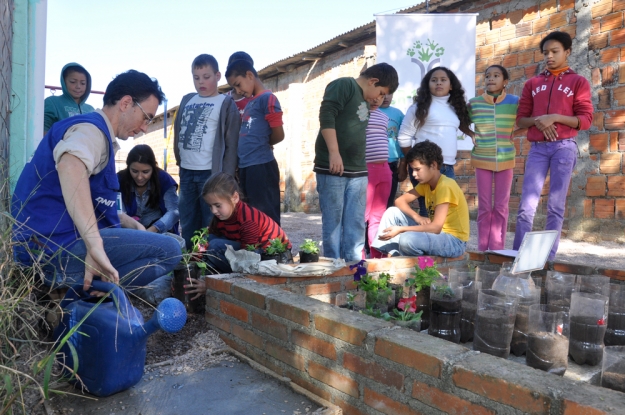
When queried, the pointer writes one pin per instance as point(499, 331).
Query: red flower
point(411, 302)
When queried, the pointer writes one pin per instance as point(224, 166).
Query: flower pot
point(615, 334)
point(306, 257)
point(589, 313)
point(412, 324)
point(548, 338)
point(445, 309)
point(182, 273)
point(423, 304)
point(494, 323)
point(518, 344)
point(281, 258)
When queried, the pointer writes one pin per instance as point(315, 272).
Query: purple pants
point(559, 159)
point(492, 217)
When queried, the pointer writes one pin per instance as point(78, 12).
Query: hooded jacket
point(565, 94)
point(57, 108)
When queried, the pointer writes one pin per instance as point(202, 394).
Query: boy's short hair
point(426, 153)
point(240, 56)
point(240, 68)
point(386, 75)
point(562, 37)
point(205, 60)
point(134, 83)
point(78, 69)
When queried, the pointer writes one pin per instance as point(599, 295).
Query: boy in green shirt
point(340, 164)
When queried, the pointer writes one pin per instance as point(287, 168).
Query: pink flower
point(411, 302)
point(425, 262)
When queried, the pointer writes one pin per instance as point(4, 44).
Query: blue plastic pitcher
point(108, 349)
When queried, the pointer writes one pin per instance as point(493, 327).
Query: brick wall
point(367, 366)
point(6, 38)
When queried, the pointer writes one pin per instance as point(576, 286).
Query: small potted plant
point(377, 292)
point(407, 318)
point(445, 309)
point(191, 266)
point(277, 250)
point(309, 251)
point(419, 285)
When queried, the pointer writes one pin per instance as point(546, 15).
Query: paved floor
point(226, 389)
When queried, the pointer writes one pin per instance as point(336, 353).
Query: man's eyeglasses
point(147, 118)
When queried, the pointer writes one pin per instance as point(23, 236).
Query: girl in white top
point(438, 112)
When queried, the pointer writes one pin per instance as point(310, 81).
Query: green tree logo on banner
point(425, 52)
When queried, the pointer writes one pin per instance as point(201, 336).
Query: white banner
point(416, 43)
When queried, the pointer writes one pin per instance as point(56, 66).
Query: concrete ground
point(603, 254)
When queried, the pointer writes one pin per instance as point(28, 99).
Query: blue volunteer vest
point(42, 222)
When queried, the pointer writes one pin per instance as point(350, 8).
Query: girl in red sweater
point(234, 223)
point(554, 106)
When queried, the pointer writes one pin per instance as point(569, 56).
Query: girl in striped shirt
point(234, 223)
point(380, 177)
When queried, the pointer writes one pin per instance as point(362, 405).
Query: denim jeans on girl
point(139, 257)
point(558, 158)
point(194, 211)
point(342, 201)
point(416, 243)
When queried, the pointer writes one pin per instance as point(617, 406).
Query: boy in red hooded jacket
point(554, 106)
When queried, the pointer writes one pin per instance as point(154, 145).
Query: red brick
point(604, 99)
point(558, 20)
point(249, 296)
point(596, 76)
point(234, 345)
point(621, 141)
point(498, 21)
point(618, 5)
point(548, 7)
point(620, 209)
point(621, 75)
point(502, 48)
point(617, 37)
point(487, 52)
point(514, 17)
point(262, 358)
point(290, 312)
point(507, 33)
point(271, 327)
point(526, 58)
point(267, 280)
point(502, 391)
point(595, 186)
point(373, 370)
point(598, 41)
point(616, 186)
point(595, 25)
point(619, 96)
point(298, 379)
point(447, 403)
point(540, 25)
point(604, 208)
point(295, 360)
point(218, 322)
point(531, 71)
point(610, 163)
point(601, 8)
point(217, 284)
point(566, 4)
point(615, 120)
point(315, 345)
point(410, 357)
point(530, 13)
point(387, 405)
point(340, 330)
point(316, 289)
point(212, 302)
point(611, 21)
point(597, 120)
point(523, 29)
point(334, 379)
point(492, 37)
point(517, 45)
point(234, 310)
point(574, 408)
point(247, 336)
point(607, 76)
point(347, 408)
point(609, 55)
point(587, 208)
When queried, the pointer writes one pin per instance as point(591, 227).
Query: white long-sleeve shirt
point(440, 127)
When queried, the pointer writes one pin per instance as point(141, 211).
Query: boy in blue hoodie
point(76, 85)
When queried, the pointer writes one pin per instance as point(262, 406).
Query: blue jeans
point(139, 257)
point(194, 212)
point(416, 243)
point(558, 158)
point(447, 170)
point(215, 257)
point(342, 201)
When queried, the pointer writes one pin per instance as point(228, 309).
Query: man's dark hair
point(426, 153)
point(134, 83)
point(386, 75)
point(205, 60)
point(240, 56)
point(562, 37)
point(240, 68)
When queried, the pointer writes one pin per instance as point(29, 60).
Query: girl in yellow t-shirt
point(446, 229)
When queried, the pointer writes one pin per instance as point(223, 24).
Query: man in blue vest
point(65, 202)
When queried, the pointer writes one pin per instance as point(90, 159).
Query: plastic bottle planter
point(486, 274)
point(518, 344)
point(281, 258)
point(494, 323)
point(615, 333)
point(613, 368)
point(305, 257)
point(598, 284)
point(182, 273)
point(548, 338)
point(589, 314)
point(379, 300)
point(423, 304)
point(558, 288)
point(517, 285)
point(470, 289)
point(412, 324)
point(445, 309)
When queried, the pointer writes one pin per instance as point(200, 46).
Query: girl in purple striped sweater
point(380, 175)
